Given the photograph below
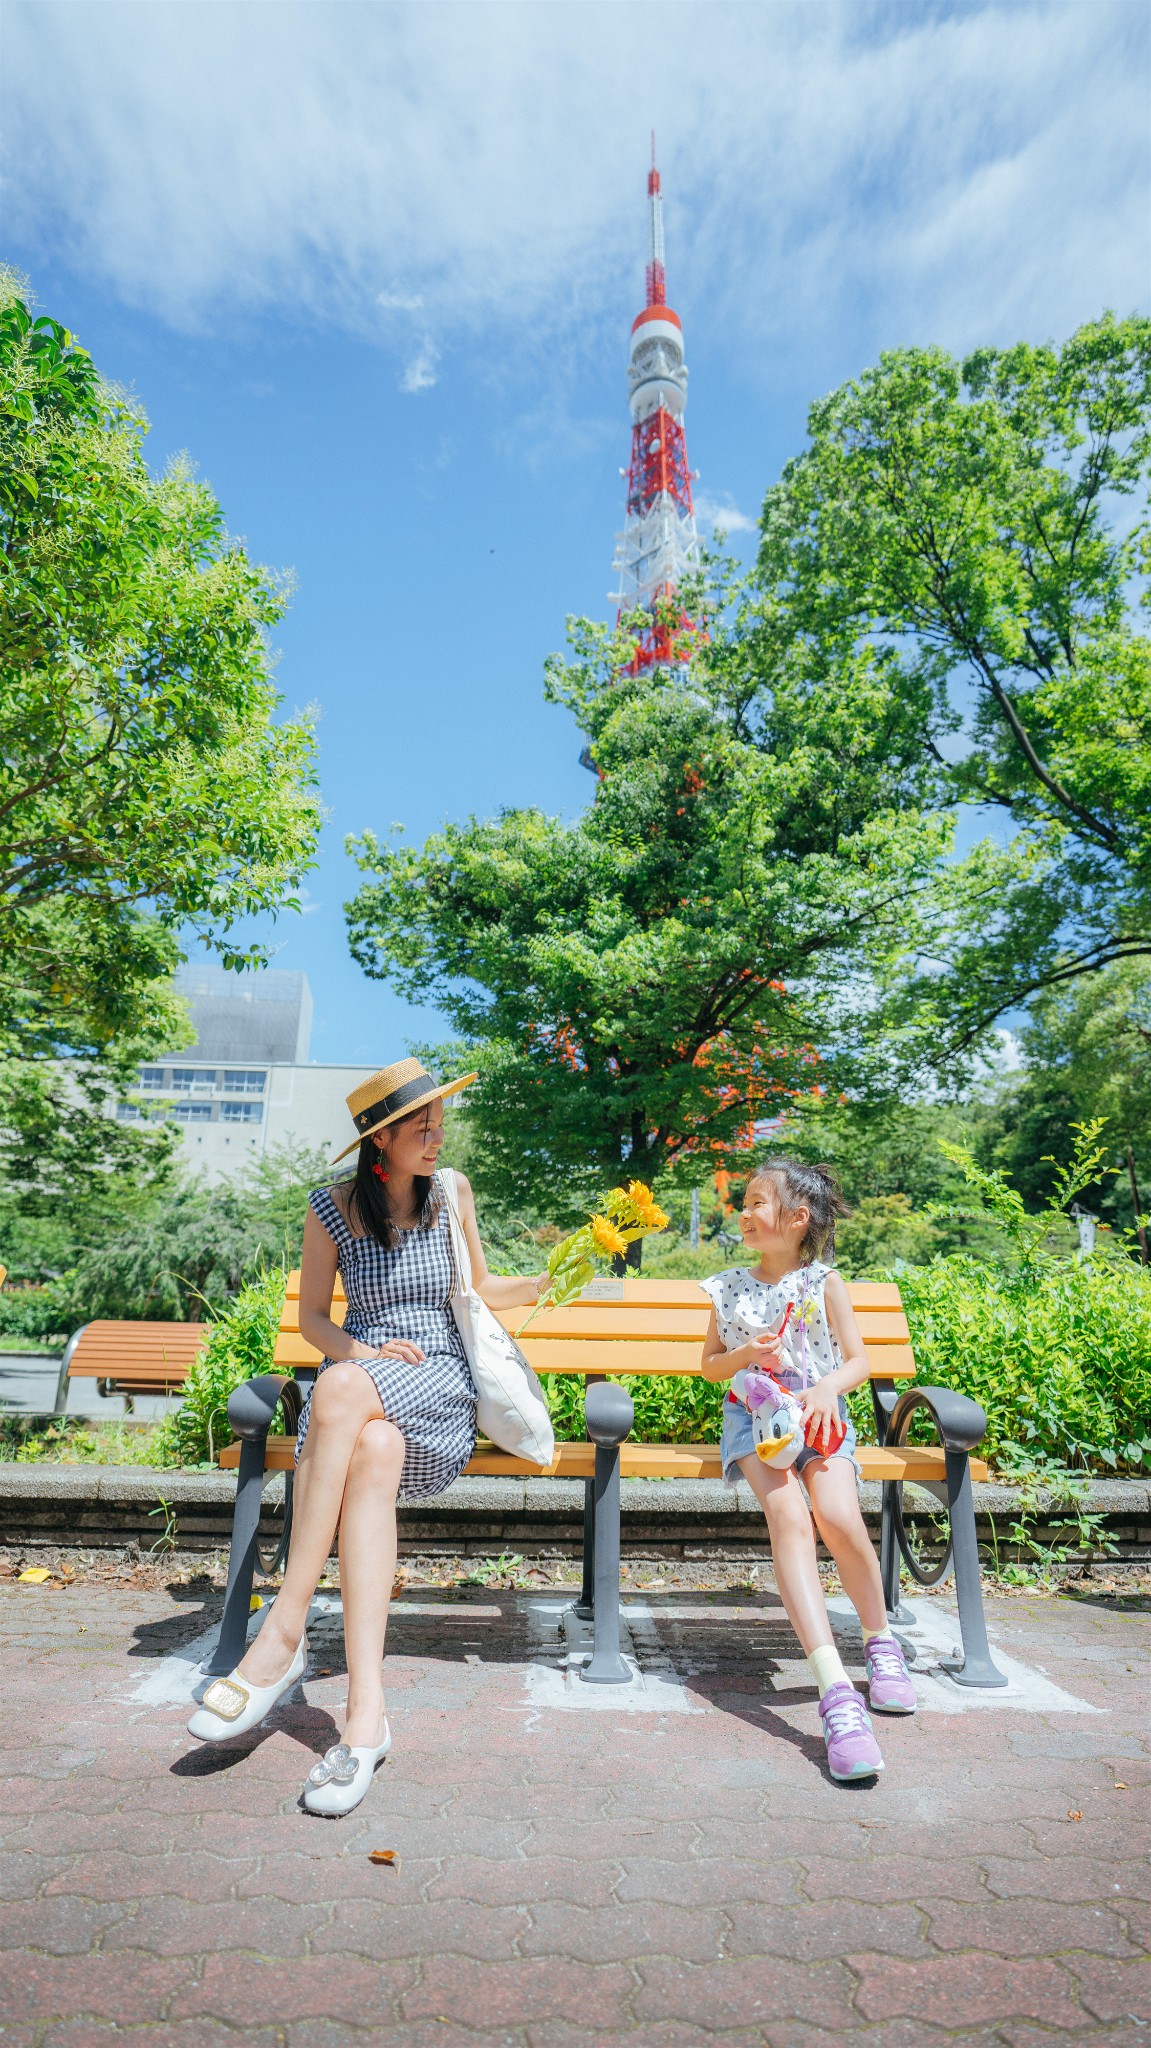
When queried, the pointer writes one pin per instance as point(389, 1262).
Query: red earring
point(379, 1171)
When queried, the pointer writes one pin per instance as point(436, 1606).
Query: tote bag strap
point(461, 1257)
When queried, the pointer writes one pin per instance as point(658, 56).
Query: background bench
point(635, 1327)
point(130, 1358)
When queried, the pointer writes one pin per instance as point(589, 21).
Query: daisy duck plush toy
point(776, 1413)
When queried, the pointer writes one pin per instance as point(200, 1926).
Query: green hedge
point(1060, 1361)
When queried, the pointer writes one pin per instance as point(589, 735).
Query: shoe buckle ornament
point(337, 1767)
point(226, 1698)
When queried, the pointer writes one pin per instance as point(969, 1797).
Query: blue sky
point(374, 268)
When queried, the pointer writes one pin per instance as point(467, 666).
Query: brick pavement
point(664, 1879)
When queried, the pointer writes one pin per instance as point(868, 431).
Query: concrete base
point(107, 1506)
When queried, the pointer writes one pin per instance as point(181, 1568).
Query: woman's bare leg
point(343, 1401)
point(784, 1502)
point(367, 1570)
point(835, 1503)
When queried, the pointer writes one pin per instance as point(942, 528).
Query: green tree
point(641, 985)
point(1087, 1053)
point(975, 531)
point(146, 787)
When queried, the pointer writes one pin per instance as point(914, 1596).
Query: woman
point(392, 1411)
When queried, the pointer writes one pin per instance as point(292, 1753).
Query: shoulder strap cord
point(461, 1257)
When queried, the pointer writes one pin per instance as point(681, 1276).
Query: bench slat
point(650, 1293)
point(137, 1354)
point(886, 1361)
point(652, 1461)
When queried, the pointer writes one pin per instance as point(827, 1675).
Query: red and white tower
point(659, 543)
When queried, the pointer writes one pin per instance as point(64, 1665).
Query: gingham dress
point(405, 1293)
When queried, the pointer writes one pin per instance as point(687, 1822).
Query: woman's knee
point(344, 1393)
point(379, 1452)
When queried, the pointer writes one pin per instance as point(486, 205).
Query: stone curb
point(108, 1506)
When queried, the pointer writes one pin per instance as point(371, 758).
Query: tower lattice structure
point(659, 544)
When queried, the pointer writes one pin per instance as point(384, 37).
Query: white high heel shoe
point(232, 1705)
point(337, 1784)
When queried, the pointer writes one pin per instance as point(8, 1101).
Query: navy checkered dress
point(405, 1293)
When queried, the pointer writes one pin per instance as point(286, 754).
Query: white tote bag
point(511, 1409)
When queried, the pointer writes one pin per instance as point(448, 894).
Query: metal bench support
point(960, 1424)
point(251, 1408)
point(609, 1413)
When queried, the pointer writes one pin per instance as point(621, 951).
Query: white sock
point(871, 1635)
point(827, 1668)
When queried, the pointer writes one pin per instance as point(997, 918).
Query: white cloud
point(715, 512)
point(956, 174)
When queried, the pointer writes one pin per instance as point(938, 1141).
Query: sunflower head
point(647, 1209)
point(607, 1237)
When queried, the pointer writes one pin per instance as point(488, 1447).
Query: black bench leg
point(609, 1414)
point(242, 1559)
point(889, 1557)
point(607, 1666)
point(585, 1605)
point(977, 1668)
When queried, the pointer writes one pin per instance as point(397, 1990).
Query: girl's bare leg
point(835, 1503)
point(784, 1502)
point(367, 1570)
point(344, 1400)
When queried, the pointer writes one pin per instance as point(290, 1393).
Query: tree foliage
point(974, 532)
point(641, 985)
point(146, 789)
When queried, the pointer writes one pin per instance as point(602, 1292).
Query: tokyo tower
point(659, 544)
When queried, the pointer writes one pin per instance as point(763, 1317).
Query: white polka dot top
point(745, 1307)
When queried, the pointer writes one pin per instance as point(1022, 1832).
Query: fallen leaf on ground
point(1073, 1813)
point(35, 1577)
point(389, 1856)
point(254, 1602)
point(325, 1671)
point(1120, 1785)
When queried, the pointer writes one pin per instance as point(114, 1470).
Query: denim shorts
point(737, 1441)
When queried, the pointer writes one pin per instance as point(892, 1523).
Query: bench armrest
point(253, 1403)
point(609, 1413)
point(960, 1421)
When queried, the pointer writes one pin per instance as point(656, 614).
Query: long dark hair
point(815, 1188)
point(367, 1198)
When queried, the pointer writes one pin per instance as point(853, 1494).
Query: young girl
point(817, 1353)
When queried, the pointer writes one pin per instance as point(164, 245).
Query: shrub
point(1058, 1357)
point(241, 1343)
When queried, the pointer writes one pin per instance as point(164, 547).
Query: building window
point(193, 1112)
point(242, 1112)
point(128, 1112)
point(193, 1077)
point(244, 1081)
point(151, 1077)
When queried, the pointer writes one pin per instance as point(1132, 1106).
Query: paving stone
point(835, 1927)
point(387, 1929)
point(233, 1987)
point(709, 1881)
point(124, 1989)
point(890, 1874)
point(618, 1932)
point(516, 1993)
point(184, 2034)
point(1112, 1990)
point(193, 1927)
point(732, 1994)
point(520, 1882)
point(1068, 1878)
point(1027, 1927)
point(60, 1926)
point(962, 1991)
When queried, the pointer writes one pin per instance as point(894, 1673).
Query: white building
point(246, 1084)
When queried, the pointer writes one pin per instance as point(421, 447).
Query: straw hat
point(394, 1092)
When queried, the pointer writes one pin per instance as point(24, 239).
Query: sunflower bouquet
point(626, 1215)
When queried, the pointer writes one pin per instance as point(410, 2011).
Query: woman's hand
point(396, 1347)
point(819, 1406)
point(542, 1282)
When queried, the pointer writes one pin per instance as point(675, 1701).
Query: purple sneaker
point(852, 1751)
point(888, 1680)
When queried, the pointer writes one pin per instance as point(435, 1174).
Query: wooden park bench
point(130, 1358)
point(630, 1327)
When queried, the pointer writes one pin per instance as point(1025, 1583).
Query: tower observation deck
point(659, 544)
